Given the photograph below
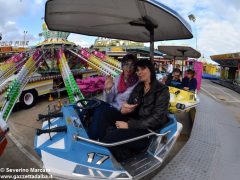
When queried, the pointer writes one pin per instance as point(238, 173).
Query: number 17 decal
point(101, 158)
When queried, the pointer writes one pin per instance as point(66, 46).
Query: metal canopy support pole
point(183, 52)
point(182, 68)
point(149, 25)
point(151, 30)
point(174, 61)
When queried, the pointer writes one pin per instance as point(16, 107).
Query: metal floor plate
point(213, 149)
point(140, 164)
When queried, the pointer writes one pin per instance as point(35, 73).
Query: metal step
point(141, 164)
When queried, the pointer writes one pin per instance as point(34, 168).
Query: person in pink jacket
point(116, 92)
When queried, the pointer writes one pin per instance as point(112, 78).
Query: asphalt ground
point(227, 97)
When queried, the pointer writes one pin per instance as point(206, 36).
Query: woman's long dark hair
point(147, 64)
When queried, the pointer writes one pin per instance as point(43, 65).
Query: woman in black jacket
point(146, 108)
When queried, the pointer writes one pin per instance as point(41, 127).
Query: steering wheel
point(88, 104)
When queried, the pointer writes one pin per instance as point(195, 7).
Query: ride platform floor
point(213, 149)
point(227, 84)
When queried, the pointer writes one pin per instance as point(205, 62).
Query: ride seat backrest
point(171, 125)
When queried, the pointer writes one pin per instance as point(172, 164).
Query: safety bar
point(77, 137)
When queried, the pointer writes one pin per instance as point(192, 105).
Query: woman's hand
point(108, 83)
point(128, 108)
point(186, 88)
point(121, 125)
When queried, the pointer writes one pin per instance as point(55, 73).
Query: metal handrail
point(77, 137)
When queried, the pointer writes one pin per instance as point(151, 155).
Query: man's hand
point(164, 80)
point(128, 108)
point(108, 83)
point(121, 125)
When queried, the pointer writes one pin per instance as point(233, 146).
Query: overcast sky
point(217, 23)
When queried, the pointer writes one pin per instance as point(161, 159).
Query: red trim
point(3, 142)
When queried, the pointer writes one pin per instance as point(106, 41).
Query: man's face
point(176, 75)
point(189, 75)
point(128, 67)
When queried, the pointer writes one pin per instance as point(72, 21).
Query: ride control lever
point(45, 117)
point(56, 129)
